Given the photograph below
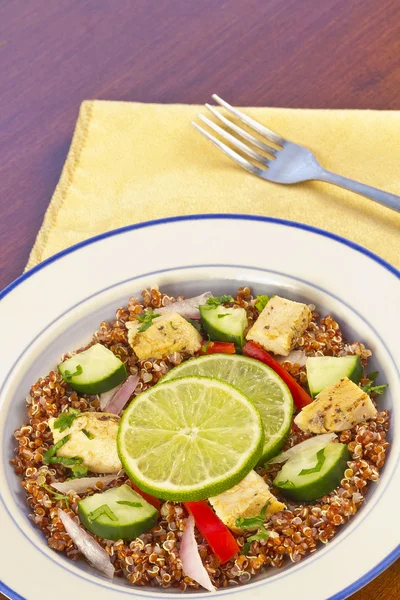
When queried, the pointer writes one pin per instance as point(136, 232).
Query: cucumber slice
point(116, 514)
point(224, 324)
point(322, 473)
point(323, 371)
point(94, 371)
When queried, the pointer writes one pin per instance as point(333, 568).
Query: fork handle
point(389, 200)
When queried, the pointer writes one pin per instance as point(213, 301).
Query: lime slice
point(190, 438)
point(260, 383)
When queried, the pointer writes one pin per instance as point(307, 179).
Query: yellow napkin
point(132, 162)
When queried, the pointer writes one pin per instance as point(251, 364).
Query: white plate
point(58, 304)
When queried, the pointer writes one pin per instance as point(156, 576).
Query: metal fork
point(286, 162)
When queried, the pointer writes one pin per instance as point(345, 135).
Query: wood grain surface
point(56, 53)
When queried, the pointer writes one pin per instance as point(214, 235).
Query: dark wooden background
point(56, 53)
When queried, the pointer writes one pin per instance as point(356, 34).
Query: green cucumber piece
point(118, 517)
point(224, 324)
point(323, 371)
point(320, 480)
point(93, 371)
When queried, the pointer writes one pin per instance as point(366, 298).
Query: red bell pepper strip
point(218, 348)
point(218, 536)
point(300, 397)
point(150, 499)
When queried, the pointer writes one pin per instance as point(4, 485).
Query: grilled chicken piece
point(280, 325)
point(336, 408)
point(167, 334)
point(246, 499)
point(98, 449)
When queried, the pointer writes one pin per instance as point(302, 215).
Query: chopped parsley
point(223, 315)
point(261, 302)
point(287, 483)
point(195, 324)
point(370, 388)
point(318, 466)
point(65, 461)
point(128, 503)
point(65, 420)
point(252, 523)
point(147, 319)
point(68, 375)
point(263, 535)
point(75, 463)
point(88, 434)
point(56, 495)
point(215, 301)
point(79, 470)
point(51, 452)
point(206, 346)
point(104, 509)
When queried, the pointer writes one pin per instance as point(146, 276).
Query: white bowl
point(57, 305)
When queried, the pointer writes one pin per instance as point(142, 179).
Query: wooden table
point(295, 53)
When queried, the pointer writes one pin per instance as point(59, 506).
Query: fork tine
point(277, 139)
point(231, 153)
point(235, 142)
point(247, 136)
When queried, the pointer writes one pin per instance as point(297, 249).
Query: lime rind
point(189, 439)
point(258, 382)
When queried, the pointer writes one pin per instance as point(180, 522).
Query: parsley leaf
point(68, 375)
point(147, 319)
point(252, 523)
point(195, 324)
point(318, 466)
point(65, 461)
point(215, 301)
point(373, 375)
point(88, 434)
point(287, 483)
point(65, 419)
point(206, 346)
point(370, 388)
point(51, 452)
point(56, 495)
point(79, 470)
point(104, 509)
point(263, 535)
point(50, 457)
point(261, 302)
point(376, 389)
point(128, 503)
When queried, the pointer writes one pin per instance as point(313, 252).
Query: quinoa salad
point(195, 443)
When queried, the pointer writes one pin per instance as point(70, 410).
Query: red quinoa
point(153, 558)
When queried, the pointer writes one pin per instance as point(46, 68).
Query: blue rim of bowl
point(394, 554)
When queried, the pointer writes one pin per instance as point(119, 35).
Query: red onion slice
point(188, 308)
point(106, 397)
point(80, 486)
point(92, 550)
point(190, 558)
point(118, 400)
point(295, 356)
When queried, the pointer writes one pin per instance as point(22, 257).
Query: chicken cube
point(167, 334)
point(246, 499)
point(97, 447)
point(337, 407)
point(280, 325)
